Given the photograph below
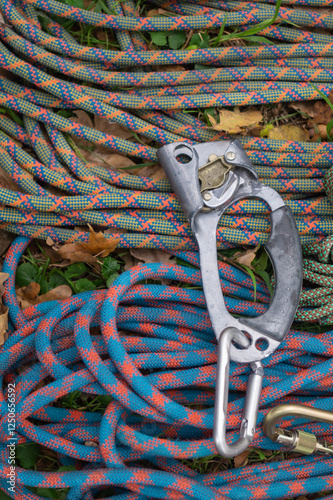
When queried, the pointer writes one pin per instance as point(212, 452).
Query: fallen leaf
point(318, 132)
point(3, 323)
point(289, 133)
point(129, 261)
point(93, 444)
point(83, 119)
point(73, 253)
point(59, 293)
point(246, 258)
point(241, 460)
point(149, 256)
point(235, 121)
point(306, 107)
point(153, 171)
point(112, 128)
point(3, 22)
point(49, 241)
point(6, 180)
point(109, 160)
point(322, 113)
point(3, 310)
point(5, 241)
point(97, 245)
point(173, 67)
point(157, 12)
point(29, 292)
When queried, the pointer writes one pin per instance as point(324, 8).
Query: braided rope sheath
point(168, 334)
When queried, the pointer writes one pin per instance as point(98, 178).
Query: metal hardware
point(206, 185)
point(231, 156)
point(214, 173)
point(295, 440)
point(249, 419)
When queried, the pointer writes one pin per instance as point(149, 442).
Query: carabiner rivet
point(231, 155)
point(207, 196)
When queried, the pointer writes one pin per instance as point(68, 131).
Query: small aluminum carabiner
point(250, 414)
point(294, 439)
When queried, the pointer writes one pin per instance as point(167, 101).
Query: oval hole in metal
point(183, 154)
point(238, 346)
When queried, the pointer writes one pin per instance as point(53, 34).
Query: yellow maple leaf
point(289, 133)
point(235, 121)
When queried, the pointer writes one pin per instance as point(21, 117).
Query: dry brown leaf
point(59, 293)
point(3, 22)
point(246, 258)
point(157, 12)
point(83, 119)
point(235, 121)
point(109, 160)
point(29, 292)
point(73, 253)
point(129, 261)
point(5, 241)
point(173, 67)
point(150, 256)
point(289, 133)
point(306, 107)
point(6, 181)
point(322, 113)
point(97, 245)
point(100, 34)
point(319, 132)
point(241, 460)
point(112, 128)
point(49, 241)
point(3, 310)
point(3, 323)
point(154, 171)
point(93, 444)
point(3, 277)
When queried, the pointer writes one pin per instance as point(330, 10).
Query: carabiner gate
point(294, 439)
point(250, 413)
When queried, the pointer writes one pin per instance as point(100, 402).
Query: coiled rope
point(150, 416)
point(153, 416)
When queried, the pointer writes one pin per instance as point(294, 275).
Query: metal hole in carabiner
point(183, 154)
point(239, 346)
point(262, 344)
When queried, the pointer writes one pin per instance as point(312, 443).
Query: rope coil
point(163, 368)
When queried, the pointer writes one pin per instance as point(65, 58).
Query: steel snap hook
point(251, 406)
point(294, 439)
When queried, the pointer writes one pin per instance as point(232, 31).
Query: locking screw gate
point(294, 439)
point(207, 179)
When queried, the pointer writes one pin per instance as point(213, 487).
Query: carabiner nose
point(250, 413)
